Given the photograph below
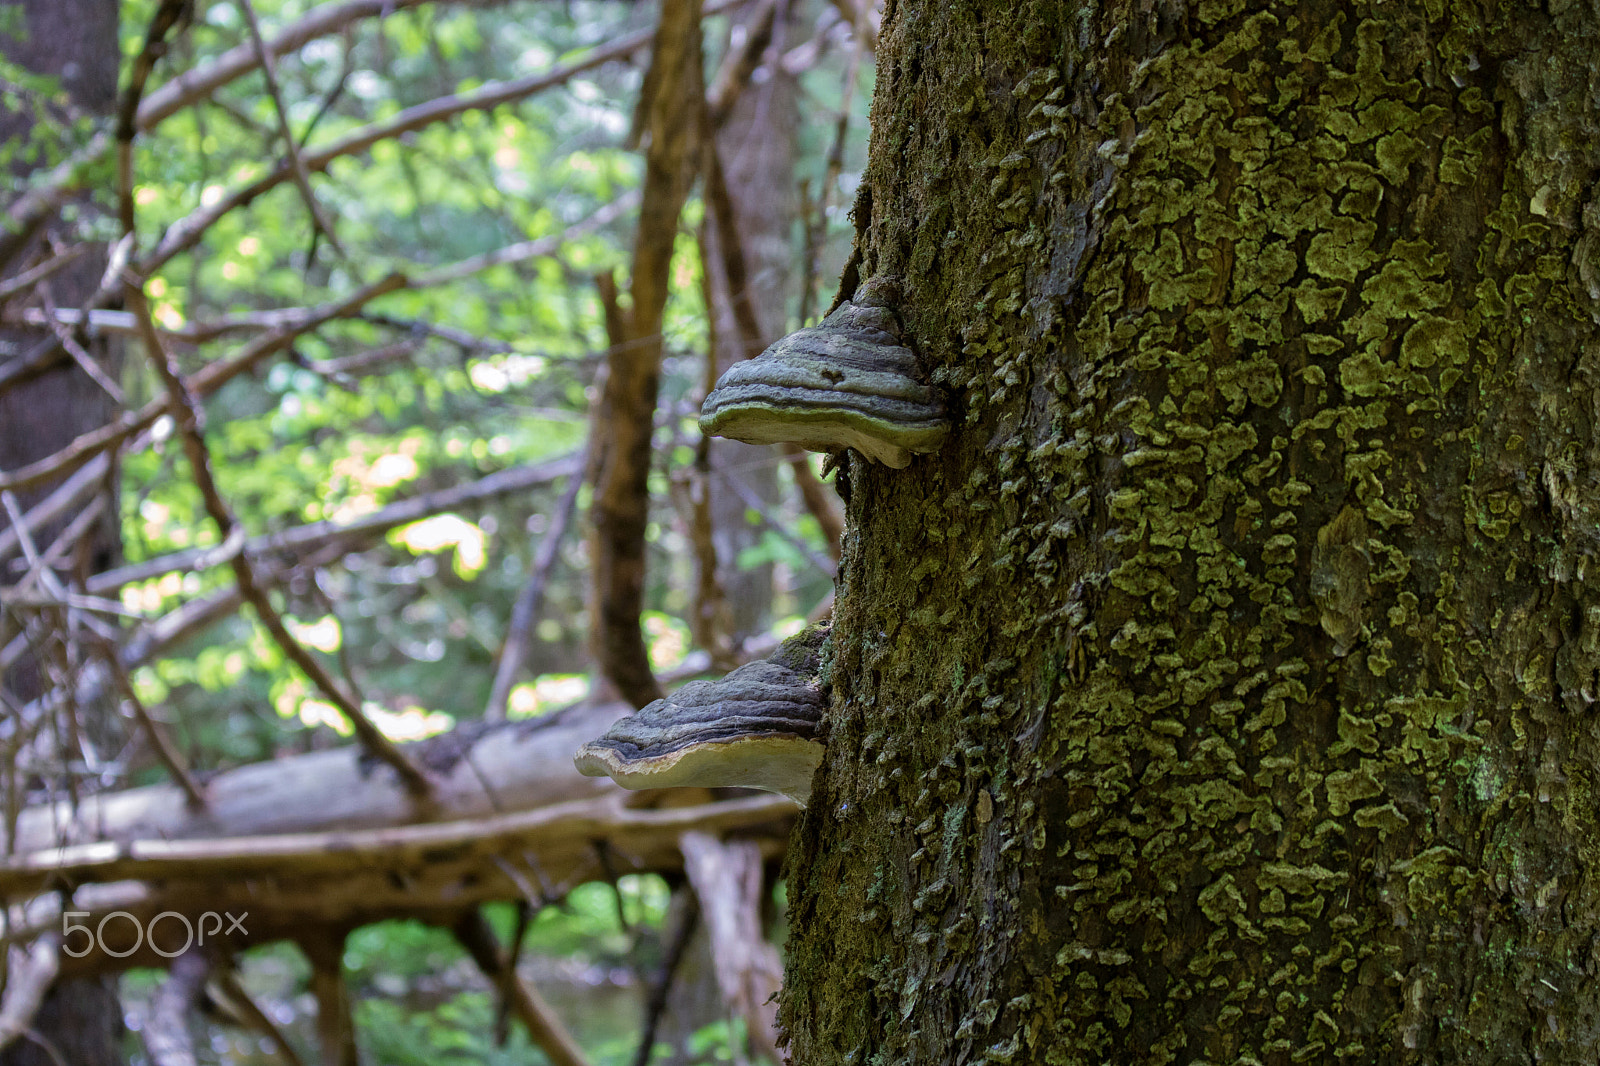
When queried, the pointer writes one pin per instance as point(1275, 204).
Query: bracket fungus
point(757, 727)
point(847, 382)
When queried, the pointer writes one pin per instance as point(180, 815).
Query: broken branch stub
point(757, 727)
point(847, 382)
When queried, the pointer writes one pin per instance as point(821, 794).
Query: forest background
point(349, 344)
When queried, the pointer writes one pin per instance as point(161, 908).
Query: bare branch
point(560, 832)
point(620, 510)
point(214, 375)
point(526, 608)
point(166, 1030)
point(188, 421)
point(297, 165)
point(543, 1025)
point(525, 250)
point(734, 74)
point(32, 276)
point(820, 500)
point(727, 878)
point(208, 380)
point(65, 497)
point(682, 919)
point(33, 209)
point(227, 981)
point(166, 17)
point(336, 1031)
point(349, 535)
point(197, 84)
point(154, 734)
point(29, 973)
point(816, 233)
point(186, 232)
point(768, 519)
point(79, 354)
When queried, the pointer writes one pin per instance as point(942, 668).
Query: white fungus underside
point(771, 763)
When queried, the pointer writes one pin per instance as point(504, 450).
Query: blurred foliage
point(430, 389)
point(419, 616)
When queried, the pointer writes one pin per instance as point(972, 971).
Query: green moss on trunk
point(1223, 690)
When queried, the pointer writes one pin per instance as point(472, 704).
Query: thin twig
point(28, 278)
point(214, 375)
point(756, 504)
point(816, 235)
point(186, 232)
point(200, 82)
point(85, 361)
point(155, 46)
point(66, 496)
point(166, 1029)
point(302, 539)
point(33, 209)
point(820, 500)
point(656, 1005)
point(252, 1015)
point(731, 247)
point(336, 1032)
point(627, 403)
point(154, 734)
point(297, 166)
point(734, 74)
point(526, 608)
point(206, 381)
point(188, 420)
point(543, 1024)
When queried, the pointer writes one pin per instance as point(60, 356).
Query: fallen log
point(332, 839)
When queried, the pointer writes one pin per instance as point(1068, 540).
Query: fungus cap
point(847, 382)
point(757, 727)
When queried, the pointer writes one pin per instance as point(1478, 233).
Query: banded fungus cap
point(847, 382)
point(756, 727)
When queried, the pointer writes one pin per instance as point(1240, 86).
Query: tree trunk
point(76, 41)
point(1222, 691)
point(757, 147)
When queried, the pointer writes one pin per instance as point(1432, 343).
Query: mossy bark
point(1223, 690)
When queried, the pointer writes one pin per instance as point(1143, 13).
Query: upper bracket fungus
point(757, 727)
point(847, 382)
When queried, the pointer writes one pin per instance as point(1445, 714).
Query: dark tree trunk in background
point(1223, 690)
point(757, 147)
point(75, 40)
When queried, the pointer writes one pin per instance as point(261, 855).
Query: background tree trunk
point(1223, 690)
point(757, 147)
point(75, 40)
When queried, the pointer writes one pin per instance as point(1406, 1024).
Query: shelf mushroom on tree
point(850, 381)
point(757, 727)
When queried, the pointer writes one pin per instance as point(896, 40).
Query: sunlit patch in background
point(667, 639)
point(324, 634)
point(546, 693)
point(445, 531)
point(295, 698)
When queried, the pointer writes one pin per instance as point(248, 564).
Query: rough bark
point(1223, 690)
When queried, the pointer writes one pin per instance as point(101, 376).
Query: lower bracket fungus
point(757, 727)
point(847, 382)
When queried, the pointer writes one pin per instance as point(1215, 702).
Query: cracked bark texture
point(1223, 689)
